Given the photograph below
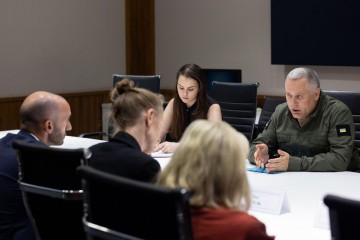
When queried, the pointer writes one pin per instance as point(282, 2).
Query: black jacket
point(122, 156)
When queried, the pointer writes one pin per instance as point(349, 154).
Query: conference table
point(308, 216)
point(69, 141)
point(304, 192)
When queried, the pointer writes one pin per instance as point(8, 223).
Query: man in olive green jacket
point(310, 132)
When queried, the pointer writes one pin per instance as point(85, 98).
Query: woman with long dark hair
point(190, 103)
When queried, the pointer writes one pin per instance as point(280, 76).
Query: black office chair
point(238, 102)
point(344, 217)
point(150, 82)
point(95, 135)
point(51, 189)
point(351, 99)
point(270, 103)
point(121, 208)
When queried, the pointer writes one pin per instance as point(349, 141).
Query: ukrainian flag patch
point(343, 130)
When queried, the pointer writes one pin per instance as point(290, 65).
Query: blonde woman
point(137, 114)
point(210, 161)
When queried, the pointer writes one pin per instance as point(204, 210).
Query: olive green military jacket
point(324, 143)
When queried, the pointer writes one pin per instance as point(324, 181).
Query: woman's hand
point(166, 147)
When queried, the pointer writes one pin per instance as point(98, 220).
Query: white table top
point(69, 141)
point(304, 191)
point(3, 133)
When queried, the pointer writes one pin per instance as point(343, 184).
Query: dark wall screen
point(315, 32)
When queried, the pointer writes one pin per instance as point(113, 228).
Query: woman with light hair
point(210, 162)
point(137, 115)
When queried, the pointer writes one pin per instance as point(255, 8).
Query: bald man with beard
point(45, 119)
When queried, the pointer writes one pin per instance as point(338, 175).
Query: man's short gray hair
point(303, 72)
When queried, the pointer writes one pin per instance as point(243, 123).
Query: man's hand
point(261, 155)
point(279, 164)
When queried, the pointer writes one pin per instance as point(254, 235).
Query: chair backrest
point(344, 217)
point(95, 135)
point(150, 82)
point(51, 189)
point(351, 99)
point(129, 209)
point(238, 102)
point(270, 103)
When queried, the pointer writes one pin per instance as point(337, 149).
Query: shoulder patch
point(343, 130)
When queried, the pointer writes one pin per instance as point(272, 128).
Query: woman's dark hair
point(129, 102)
point(178, 124)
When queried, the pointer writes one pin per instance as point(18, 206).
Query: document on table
point(161, 154)
point(162, 158)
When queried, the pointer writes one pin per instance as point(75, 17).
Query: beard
point(56, 137)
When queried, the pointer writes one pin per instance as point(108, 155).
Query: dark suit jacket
point(14, 222)
point(122, 156)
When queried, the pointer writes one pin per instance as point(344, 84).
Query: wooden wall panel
point(9, 113)
point(85, 108)
point(86, 112)
point(140, 37)
point(169, 93)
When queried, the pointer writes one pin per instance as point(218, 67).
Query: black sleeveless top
point(189, 117)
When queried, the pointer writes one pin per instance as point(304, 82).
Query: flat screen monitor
point(221, 75)
point(315, 32)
